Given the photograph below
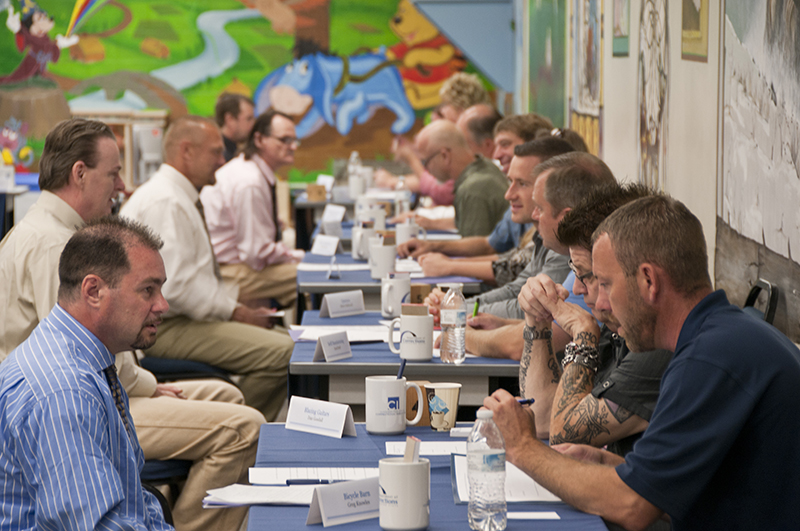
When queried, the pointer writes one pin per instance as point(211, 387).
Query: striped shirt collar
point(94, 352)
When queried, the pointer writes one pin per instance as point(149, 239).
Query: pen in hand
point(475, 309)
point(526, 401)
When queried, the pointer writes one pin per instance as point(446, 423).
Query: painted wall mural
point(547, 58)
point(653, 93)
point(354, 73)
point(586, 71)
point(760, 187)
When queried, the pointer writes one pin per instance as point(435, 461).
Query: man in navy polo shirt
point(721, 448)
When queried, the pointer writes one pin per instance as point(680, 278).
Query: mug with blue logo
point(386, 404)
point(416, 336)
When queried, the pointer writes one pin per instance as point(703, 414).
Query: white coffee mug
point(360, 242)
point(386, 404)
point(376, 215)
point(416, 337)
point(406, 231)
point(405, 494)
point(381, 260)
point(394, 292)
point(365, 203)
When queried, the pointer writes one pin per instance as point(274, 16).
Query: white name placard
point(342, 304)
point(333, 347)
point(320, 417)
point(327, 181)
point(341, 503)
point(333, 212)
point(325, 245)
point(332, 228)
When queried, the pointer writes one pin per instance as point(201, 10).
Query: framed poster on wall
point(586, 71)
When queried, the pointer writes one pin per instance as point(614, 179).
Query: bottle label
point(487, 462)
point(453, 317)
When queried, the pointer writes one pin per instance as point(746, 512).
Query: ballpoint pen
point(526, 401)
point(307, 482)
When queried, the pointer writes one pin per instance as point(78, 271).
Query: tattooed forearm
point(583, 424)
point(586, 338)
point(524, 365)
point(576, 382)
point(529, 335)
point(555, 368)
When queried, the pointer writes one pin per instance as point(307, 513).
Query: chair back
point(768, 313)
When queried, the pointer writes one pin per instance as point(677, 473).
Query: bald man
point(477, 125)
point(479, 184)
point(205, 322)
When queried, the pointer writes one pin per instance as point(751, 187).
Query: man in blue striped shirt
point(69, 456)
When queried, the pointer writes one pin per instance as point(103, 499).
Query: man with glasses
point(479, 184)
point(600, 393)
point(242, 215)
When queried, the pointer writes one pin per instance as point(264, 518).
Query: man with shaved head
point(479, 184)
point(477, 125)
point(205, 323)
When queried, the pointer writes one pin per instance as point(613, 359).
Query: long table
point(343, 381)
point(279, 447)
point(316, 281)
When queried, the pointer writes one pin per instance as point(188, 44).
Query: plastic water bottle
point(402, 201)
point(486, 471)
point(453, 318)
point(354, 165)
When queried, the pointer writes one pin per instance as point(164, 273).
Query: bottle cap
point(485, 413)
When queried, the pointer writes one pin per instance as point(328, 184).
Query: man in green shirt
point(479, 183)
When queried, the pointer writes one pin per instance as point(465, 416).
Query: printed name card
point(332, 220)
point(327, 181)
point(345, 502)
point(333, 347)
point(333, 213)
point(342, 304)
point(320, 417)
point(325, 245)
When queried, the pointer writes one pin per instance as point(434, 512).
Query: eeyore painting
point(336, 90)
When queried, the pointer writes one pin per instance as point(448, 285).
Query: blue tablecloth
point(347, 230)
point(362, 277)
point(281, 447)
point(369, 352)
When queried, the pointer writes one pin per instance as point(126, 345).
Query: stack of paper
point(235, 494)
point(280, 475)
point(355, 334)
point(324, 268)
point(520, 487)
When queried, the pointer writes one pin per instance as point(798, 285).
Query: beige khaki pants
point(277, 282)
point(260, 356)
point(213, 429)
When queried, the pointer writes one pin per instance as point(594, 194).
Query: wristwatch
point(584, 355)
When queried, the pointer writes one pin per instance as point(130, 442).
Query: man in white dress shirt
point(79, 178)
point(205, 322)
point(243, 220)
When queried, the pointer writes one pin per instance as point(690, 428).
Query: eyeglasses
point(583, 278)
point(427, 161)
point(288, 140)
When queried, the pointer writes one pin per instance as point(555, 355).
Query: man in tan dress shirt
point(79, 178)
